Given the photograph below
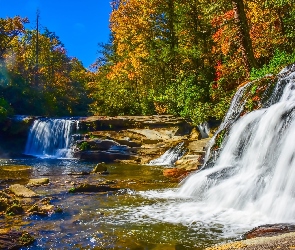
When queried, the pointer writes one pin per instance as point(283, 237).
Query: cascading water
point(170, 156)
point(51, 138)
point(252, 181)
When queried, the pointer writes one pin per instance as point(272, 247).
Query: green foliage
point(279, 60)
point(5, 109)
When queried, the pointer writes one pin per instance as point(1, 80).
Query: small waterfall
point(170, 156)
point(204, 130)
point(255, 171)
point(51, 138)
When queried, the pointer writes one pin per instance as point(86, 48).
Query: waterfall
point(51, 138)
point(255, 171)
point(236, 107)
point(251, 182)
point(170, 156)
point(204, 130)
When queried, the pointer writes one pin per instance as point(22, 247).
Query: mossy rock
point(15, 209)
point(100, 167)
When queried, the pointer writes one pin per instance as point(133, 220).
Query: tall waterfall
point(252, 180)
point(51, 138)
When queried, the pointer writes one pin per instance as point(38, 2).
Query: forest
point(180, 57)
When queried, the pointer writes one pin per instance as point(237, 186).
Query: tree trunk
point(244, 35)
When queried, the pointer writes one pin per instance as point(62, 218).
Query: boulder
point(22, 191)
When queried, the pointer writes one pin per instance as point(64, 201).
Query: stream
point(111, 220)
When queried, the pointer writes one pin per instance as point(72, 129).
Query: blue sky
point(80, 25)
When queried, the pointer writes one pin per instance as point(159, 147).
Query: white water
point(234, 111)
point(170, 156)
point(252, 181)
point(51, 138)
point(204, 130)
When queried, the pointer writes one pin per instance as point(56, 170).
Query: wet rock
point(38, 182)
point(174, 172)
point(43, 208)
point(95, 144)
point(22, 191)
point(15, 239)
point(5, 195)
point(104, 156)
point(3, 204)
point(92, 188)
point(15, 173)
point(269, 230)
point(100, 167)
point(15, 209)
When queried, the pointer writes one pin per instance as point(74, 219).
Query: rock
point(96, 144)
point(79, 173)
point(3, 204)
point(174, 172)
point(5, 195)
point(43, 208)
point(15, 172)
point(100, 167)
point(38, 182)
point(122, 122)
point(15, 209)
point(129, 143)
point(92, 188)
point(22, 191)
point(269, 230)
point(15, 239)
point(103, 156)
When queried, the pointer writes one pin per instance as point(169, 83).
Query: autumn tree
point(61, 88)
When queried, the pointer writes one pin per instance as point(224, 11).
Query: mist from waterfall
point(51, 138)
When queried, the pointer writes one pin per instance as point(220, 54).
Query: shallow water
point(127, 219)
